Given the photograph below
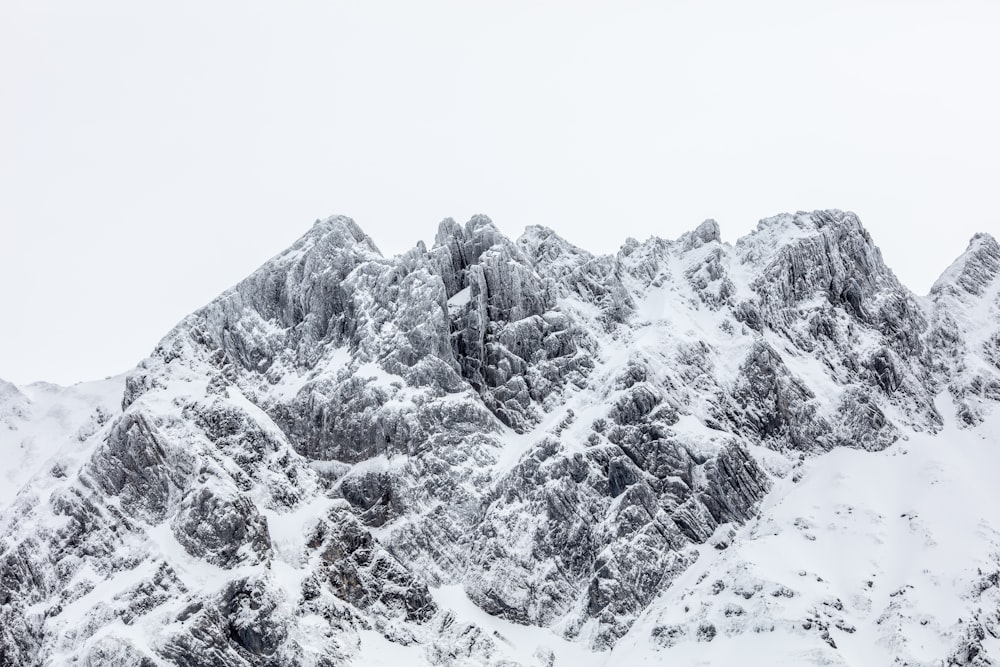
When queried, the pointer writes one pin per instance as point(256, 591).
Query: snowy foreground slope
point(869, 559)
point(516, 452)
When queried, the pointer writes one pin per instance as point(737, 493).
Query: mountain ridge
point(335, 441)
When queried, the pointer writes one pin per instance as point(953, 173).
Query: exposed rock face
point(141, 468)
point(965, 329)
point(316, 455)
point(222, 526)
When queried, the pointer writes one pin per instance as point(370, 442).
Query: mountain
point(508, 452)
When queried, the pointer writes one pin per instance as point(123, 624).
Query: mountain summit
point(518, 452)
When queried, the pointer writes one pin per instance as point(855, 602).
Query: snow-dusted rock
point(496, 450)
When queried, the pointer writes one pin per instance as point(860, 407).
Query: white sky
point(152, 154)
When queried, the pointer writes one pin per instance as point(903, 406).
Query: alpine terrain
point(516, 452)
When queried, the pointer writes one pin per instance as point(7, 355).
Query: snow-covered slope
point(41, 422)
point(857, 558)
point(495, 450)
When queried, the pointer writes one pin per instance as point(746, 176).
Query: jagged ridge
point(318, 453)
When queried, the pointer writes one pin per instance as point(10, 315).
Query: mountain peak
point(706, 232)
point(808, 221)
point(479, 230)
point(773, 234)
point(341, 231)
point(347, 450)
point(477, 221)
point(976, 268)
point(541, 243)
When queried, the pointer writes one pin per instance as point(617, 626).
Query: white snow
point(291, 380)
point(882, 550)
point(47, 420)
point(520, 643)
point(918, 521)
point(460, 299)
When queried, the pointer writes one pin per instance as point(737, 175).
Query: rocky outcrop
point(221, 526)
point(141, 468)
point(964, 331)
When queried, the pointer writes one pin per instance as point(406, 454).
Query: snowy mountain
point(517, 452)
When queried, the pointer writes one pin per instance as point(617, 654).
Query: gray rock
point(552, 430)
point(221, 526)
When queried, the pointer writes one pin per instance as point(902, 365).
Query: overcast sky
point(152, 154)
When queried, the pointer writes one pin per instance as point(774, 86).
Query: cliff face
point(324, 457)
